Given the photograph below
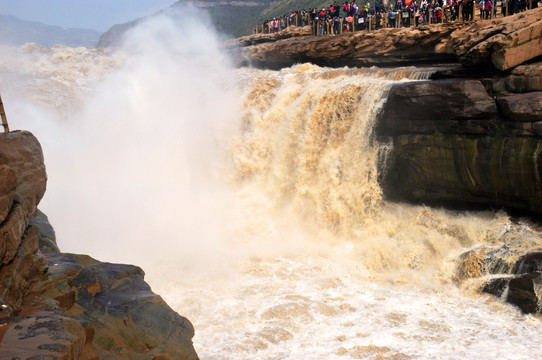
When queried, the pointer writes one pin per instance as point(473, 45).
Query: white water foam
point(250, 198)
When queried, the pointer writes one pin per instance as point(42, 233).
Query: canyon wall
point(66, 306)
point(471, 136)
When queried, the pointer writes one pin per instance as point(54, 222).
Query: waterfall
point(251, 199)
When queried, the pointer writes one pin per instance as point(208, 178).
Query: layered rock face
point(66, 306)
point(502, 44)
point(467, 143)
point(469, 137)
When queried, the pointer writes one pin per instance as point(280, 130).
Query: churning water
point(251, 200)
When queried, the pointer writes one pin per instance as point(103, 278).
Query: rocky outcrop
point(402, 46)
point(23, 183)
point(511, 273)
point(66, 306)
point(459, 142)
point(502, 44)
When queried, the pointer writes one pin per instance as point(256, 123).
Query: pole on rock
point(3, 115)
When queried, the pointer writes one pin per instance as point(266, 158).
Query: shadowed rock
point(65, 306)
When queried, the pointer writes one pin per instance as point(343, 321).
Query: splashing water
point(251, 200)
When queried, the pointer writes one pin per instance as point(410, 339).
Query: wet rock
point(465, 171)
point(528, 263)
point(525, 291)
point(487, 260)
point(512, 273)
point(497, 286)
point(458, 143)
point(524, 78)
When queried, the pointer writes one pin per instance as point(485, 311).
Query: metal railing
point(371, 21)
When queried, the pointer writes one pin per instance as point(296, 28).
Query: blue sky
point(87, 14)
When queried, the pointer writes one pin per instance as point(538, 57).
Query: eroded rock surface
point(501, 44)
point(512, 272)
point(465, 142)
point(66, 306)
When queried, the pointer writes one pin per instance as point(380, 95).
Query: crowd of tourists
point(351, 16)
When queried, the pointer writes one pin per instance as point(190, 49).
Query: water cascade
point(251, 199)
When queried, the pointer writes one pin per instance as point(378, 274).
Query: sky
point(97, 15)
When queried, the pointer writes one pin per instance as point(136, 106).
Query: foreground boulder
point(66, 306)
point(511, 272)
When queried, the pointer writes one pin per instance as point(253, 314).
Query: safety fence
point(406, 17)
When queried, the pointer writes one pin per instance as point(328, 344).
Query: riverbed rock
point(525, 291)
point(512, 272)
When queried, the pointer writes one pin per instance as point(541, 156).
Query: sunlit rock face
point(69, 306)
point(501, 44)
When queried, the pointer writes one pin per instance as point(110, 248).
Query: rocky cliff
point(66, 306)
point(468, 143)
point(469, 137)
point(501, 43)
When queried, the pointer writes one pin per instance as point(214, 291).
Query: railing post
point(3, 116)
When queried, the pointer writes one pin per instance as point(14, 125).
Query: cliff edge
point(501, 43)
point(66, 306)
point(470, 136)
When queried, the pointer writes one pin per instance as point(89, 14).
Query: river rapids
point(251, 200)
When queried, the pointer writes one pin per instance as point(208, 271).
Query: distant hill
point(230, 18)
point(14, 31)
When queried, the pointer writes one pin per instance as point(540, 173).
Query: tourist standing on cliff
point(487, 9)
point(391, 18)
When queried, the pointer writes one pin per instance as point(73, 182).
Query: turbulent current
point(251, 200)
